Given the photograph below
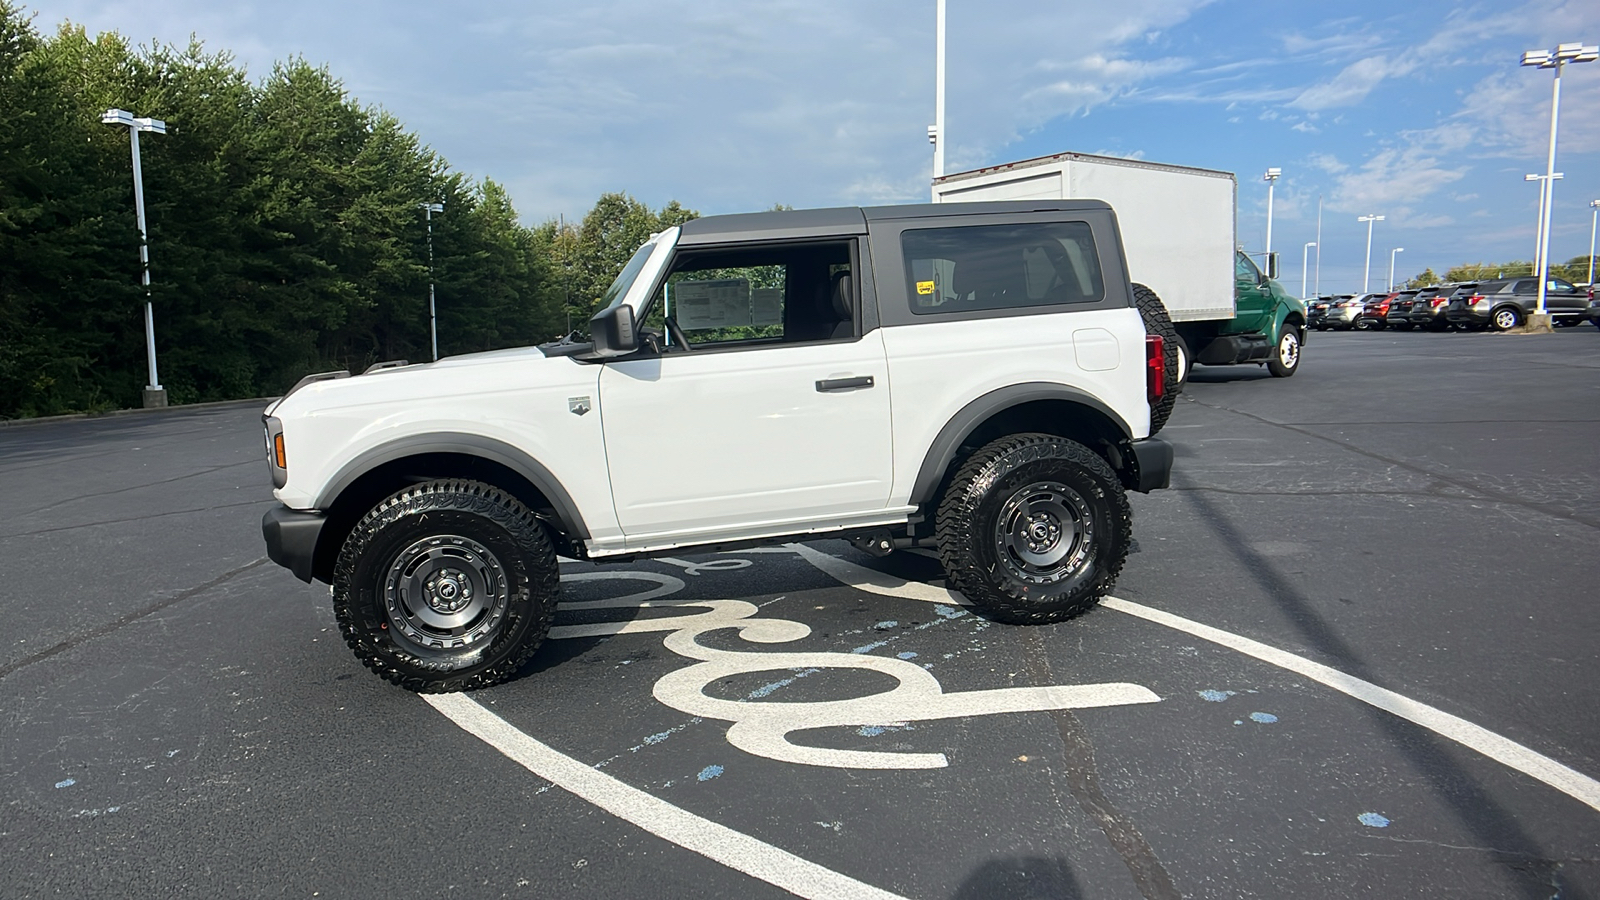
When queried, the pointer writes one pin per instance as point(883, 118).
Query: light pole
point(1539, 226)
point(433, 319)
point(1271, 178)
point(1366, 274)
point(154, 394)
point(1576, 52)
point(1594, 219)
point(936, 130)
point(1305, 257)
point(1391, 265)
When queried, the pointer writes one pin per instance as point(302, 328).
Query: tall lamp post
point(154, 394)
point(1305, 257)
point(1539, 225)
point(936, 130)
point(1576, 52)
point(433, 318)
point(1366, 274)
point(1271, 178)
point(1391, 265)
point(1594, 219)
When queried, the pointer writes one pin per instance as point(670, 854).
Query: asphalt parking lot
point(1353, 654)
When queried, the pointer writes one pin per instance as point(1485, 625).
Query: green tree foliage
point(284, 227)
point(1575, 270)
point(1426, 279)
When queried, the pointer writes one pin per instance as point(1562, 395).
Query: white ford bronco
point(973, 378)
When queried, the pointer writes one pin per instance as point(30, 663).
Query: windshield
point(619, 288)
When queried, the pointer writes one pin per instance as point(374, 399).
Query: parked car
point(1342, 311)
point(1317, 311)
point(1357, 306)
point(1374, 310)
point(1428, 311)
point(1506, 303)
point(1399, 305)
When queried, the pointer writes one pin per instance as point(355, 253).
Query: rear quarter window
point(981, 267)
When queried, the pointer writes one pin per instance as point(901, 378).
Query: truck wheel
point(1286, 359)
point(1034, 529)
point(1156, 321)
point(446, 586)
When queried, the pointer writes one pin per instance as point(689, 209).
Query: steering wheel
point(678, 337)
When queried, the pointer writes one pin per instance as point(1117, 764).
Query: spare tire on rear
point(1156, 321)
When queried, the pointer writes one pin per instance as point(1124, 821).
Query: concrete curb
point(68, 417)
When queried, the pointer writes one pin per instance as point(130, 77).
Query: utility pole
point(936, 130)
point(154, 394)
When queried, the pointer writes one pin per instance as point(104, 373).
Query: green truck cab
point(1268, 327)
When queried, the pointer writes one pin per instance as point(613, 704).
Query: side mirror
point(613, 331)
point(1272, 264)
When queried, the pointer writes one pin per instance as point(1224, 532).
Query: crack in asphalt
point(1083, 782)
point(127, 619)
point(176, 512)
point(1482, 492)
point(140, 487)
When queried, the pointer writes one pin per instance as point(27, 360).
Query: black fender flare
point(466, 445)
point(943, 450)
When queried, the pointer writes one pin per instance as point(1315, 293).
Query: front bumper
point(291, 536)
point(1153, 457)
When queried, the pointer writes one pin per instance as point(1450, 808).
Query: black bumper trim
point(291, 536)
point(1155, 464)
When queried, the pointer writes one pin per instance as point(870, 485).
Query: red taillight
point(1439, 301)
point(1475, 299)
point(1155, 367)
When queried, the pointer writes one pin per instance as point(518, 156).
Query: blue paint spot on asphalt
point(709, 772)
point(948, 612)
point(1215, 696)
point(881, 626)
point(871, 730)
point(868, 648)
point(1373, 820)
point(658, 738)
point(1263, 718)
point(66, 782)
point(906, 655)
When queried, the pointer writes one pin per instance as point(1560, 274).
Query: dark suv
point(1399, 305)
point(1427, 310)
point(1507, 303)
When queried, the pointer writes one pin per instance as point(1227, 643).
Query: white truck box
point(1177, 222)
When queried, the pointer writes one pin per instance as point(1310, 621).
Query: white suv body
point(843, 365)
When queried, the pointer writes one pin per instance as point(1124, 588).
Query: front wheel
point(446, 586)
point(1286, 359)
point(1033, 529)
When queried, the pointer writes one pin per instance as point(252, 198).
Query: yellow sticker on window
point(924, 287)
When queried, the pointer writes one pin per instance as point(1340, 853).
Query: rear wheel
point(1158, 322)
point(1506, 318)
point(1034, 528)
point(446, 586)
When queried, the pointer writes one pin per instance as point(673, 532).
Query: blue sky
point(1416, 111)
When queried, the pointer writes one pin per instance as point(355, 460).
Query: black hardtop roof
point(850, 220)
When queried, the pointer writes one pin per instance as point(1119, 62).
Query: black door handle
point(845, 384)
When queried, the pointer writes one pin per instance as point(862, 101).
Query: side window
point(756, 296)
point(1557, 286)
point(1000, 266)
point(1244, 269)
point(1527, 286)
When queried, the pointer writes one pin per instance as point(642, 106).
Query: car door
point(1252, 298)
point(777, 414)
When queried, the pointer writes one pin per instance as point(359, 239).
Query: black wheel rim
point(445, 592)
point(1044, 533)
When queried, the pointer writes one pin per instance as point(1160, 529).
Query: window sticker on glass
point(924, 287)
point(711, 304)
point(766, 306)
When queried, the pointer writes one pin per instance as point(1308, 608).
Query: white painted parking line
point(1503, 750)
point(718, 843)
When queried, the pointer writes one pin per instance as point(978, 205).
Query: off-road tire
point(1001, 483)
point(1285, 360)
point(1157, 321)
point(469, 541)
